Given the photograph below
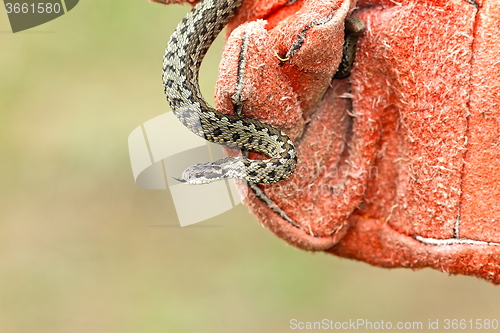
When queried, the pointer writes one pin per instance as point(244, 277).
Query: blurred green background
point(83, 249)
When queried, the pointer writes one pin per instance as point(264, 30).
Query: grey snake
point(183, 56)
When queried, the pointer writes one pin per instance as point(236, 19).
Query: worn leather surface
point(398, 164)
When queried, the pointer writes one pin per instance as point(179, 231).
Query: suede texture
point(398, 164)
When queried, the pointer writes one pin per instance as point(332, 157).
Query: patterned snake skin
point(185, 51)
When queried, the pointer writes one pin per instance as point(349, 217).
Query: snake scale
point(183, 56)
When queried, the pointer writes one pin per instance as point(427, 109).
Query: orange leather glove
point(399, 163)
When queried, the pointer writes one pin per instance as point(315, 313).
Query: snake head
point(202, 173)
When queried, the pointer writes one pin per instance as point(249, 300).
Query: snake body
point(183, 56)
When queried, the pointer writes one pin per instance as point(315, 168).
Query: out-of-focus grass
point(80, 245)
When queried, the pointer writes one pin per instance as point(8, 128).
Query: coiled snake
point(183, 56)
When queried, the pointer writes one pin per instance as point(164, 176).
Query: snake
point(184, 54)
